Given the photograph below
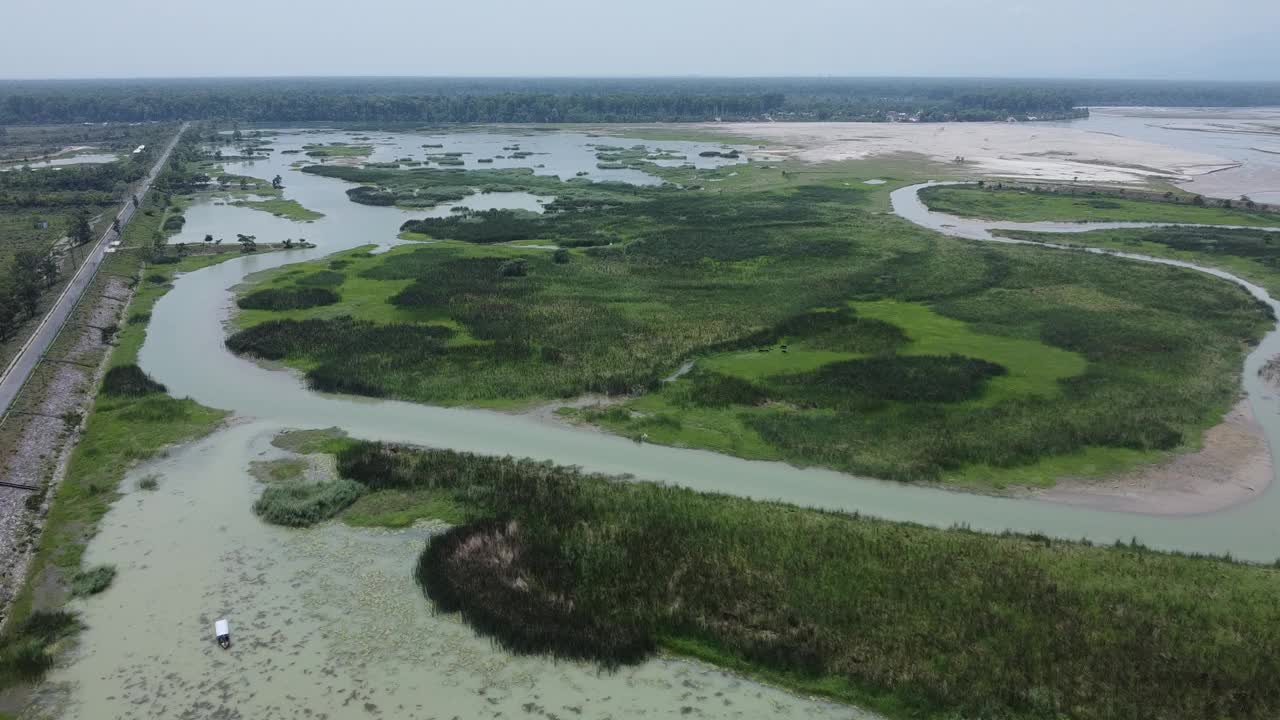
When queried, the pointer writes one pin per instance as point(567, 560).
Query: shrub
point(288, 298)
point(92, 581)
point(24, 654)
point(300, 504)
point(140, 318)
point(130, 380)
point(514, 268)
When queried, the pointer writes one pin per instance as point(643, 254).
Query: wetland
point(822, 331)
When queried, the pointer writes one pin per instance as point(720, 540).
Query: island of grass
point(912, 622)
point(280, 207)
point(337, 150)
point(996, 202)
point(821, 333)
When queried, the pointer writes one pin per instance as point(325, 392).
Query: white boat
point(222, 633)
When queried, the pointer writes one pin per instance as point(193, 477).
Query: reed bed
point(914, 621)
point(288, 298)
point(295, 503)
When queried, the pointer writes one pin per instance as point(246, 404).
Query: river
point(329, 618)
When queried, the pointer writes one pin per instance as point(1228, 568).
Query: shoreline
point(1233, 467)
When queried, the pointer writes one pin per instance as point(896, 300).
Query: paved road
point(25, 362)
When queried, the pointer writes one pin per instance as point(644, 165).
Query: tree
point(115, 225)
point(244, 183)
point(50, 268)
point(81, 232)
point(26, 281)
point(277, 182)
point(560, 257)
point(8, 315)
point(288, 243)
point(248, 243)
point(135, 200)
point(208, 238)
point(182, 249)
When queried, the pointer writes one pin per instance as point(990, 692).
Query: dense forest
point(441, 100)
point(450, 100)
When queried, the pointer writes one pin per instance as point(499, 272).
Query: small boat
point(222, 632)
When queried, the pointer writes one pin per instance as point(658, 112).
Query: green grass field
point(285, 208)
point(1027, 206)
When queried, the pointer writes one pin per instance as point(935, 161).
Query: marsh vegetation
point(824, 333)
point(583, 566)
point(994, 202)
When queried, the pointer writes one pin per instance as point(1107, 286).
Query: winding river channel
point(328, 620)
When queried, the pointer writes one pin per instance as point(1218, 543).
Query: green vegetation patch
point(92, 580)
point(131, 381)
point(290, 209)
point(288, 298)
point(279, 470)
point(337, 149)
point(1031, 206)
point(26, 648)
point(907, 620)
point(307, 442)
point(1253, 255)
point(301, 504)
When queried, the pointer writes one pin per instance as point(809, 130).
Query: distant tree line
point(521, 101)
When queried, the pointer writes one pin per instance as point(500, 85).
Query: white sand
point(1021, 150)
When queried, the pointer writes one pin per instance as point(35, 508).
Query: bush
point(92, 581)
point(140, 318)
point(24, 652)
point(514, 268)
point(301, 504)
point(131, 381)
point(560, 257)
point(288, 298)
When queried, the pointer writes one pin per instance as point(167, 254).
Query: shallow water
point(85, 159)
point(325, 622)
point(562, 154)
point(1243, 135)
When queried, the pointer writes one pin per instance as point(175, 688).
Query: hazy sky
point(1181, 39)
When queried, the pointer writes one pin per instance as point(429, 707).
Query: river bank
point(1234, 466)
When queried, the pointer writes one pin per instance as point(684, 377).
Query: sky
point(1167, 39)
